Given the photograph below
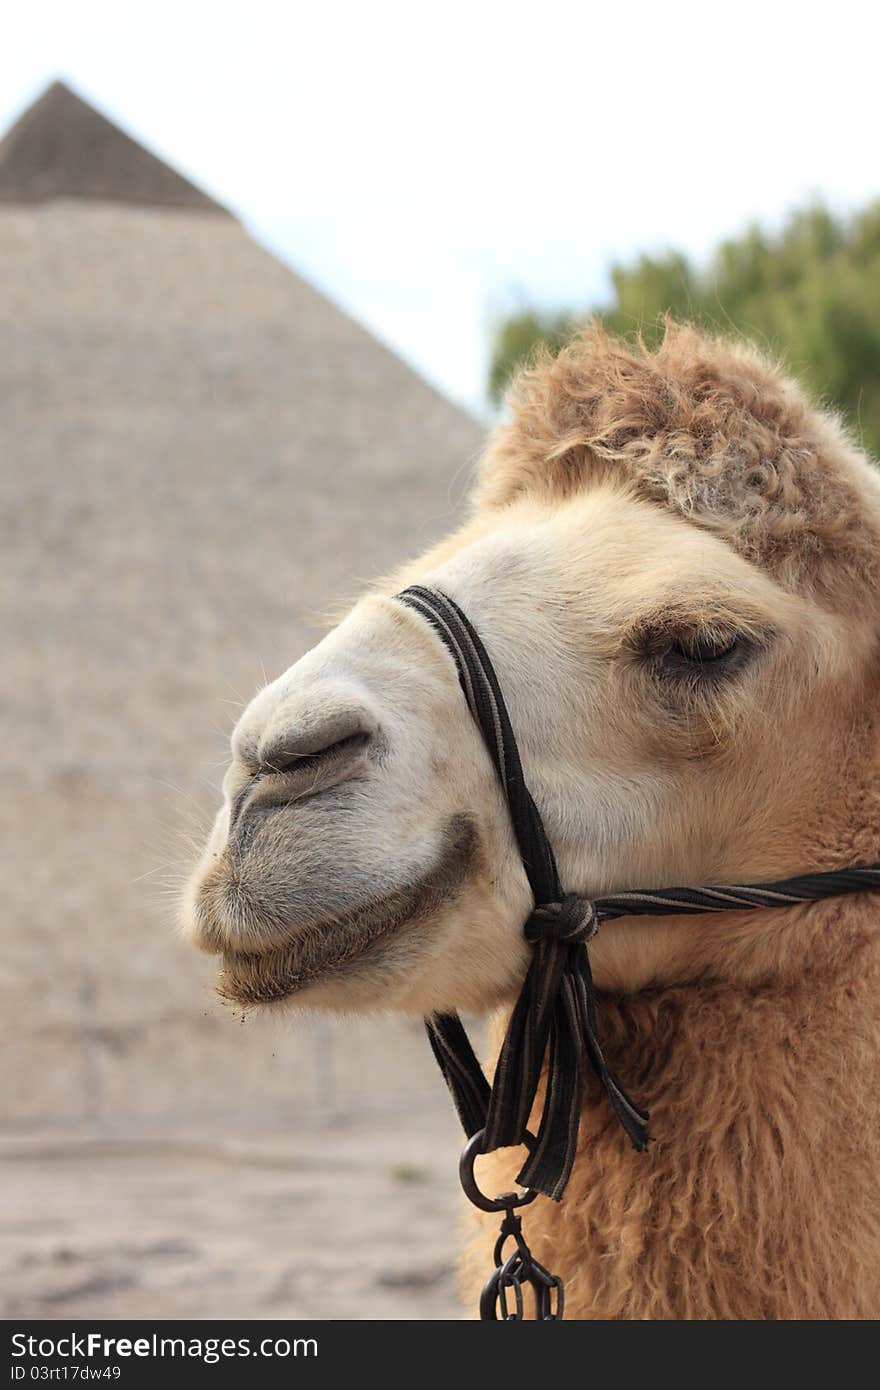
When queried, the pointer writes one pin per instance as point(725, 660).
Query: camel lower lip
point(264, 979)
point(347, 942)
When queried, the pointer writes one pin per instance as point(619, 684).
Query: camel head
point(674, 563)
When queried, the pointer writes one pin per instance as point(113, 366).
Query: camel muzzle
point(306, 882)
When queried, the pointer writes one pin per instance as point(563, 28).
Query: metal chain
point(502, 1297)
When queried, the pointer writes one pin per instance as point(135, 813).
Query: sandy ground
point(351, 1216)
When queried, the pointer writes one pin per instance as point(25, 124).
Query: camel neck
point(763, 1098)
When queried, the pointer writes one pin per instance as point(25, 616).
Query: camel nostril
point(309, 747)
point(287, 773)
point(285, 759)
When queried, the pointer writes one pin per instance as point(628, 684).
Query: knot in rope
point(571, 922)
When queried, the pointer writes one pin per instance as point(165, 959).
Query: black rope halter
point(556, 1008)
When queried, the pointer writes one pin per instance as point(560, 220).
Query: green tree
point(810, 294)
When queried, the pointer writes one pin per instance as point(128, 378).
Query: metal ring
point(507, 1201)
point(509, 1278)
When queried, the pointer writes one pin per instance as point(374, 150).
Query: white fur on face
point(633, 789)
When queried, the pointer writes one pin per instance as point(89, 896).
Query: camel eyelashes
point(699, 655)
point(706, 656)
point(705, 646)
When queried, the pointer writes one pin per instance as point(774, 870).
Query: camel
point(673, 558)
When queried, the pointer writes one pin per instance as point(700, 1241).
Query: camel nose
point(312, 739)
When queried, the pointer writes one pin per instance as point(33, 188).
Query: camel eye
point(700, 648)
point(696, 657)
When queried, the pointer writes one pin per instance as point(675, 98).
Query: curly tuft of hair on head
point(709, 428)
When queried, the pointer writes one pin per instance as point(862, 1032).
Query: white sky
point(430, 165)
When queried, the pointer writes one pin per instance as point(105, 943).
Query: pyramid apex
point(61, 147)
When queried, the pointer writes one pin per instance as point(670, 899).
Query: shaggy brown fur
point(708, 430)
point(761, 1066)
point(757, 1198)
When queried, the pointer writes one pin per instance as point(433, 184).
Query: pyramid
point(200, 455)
point(62, 147)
